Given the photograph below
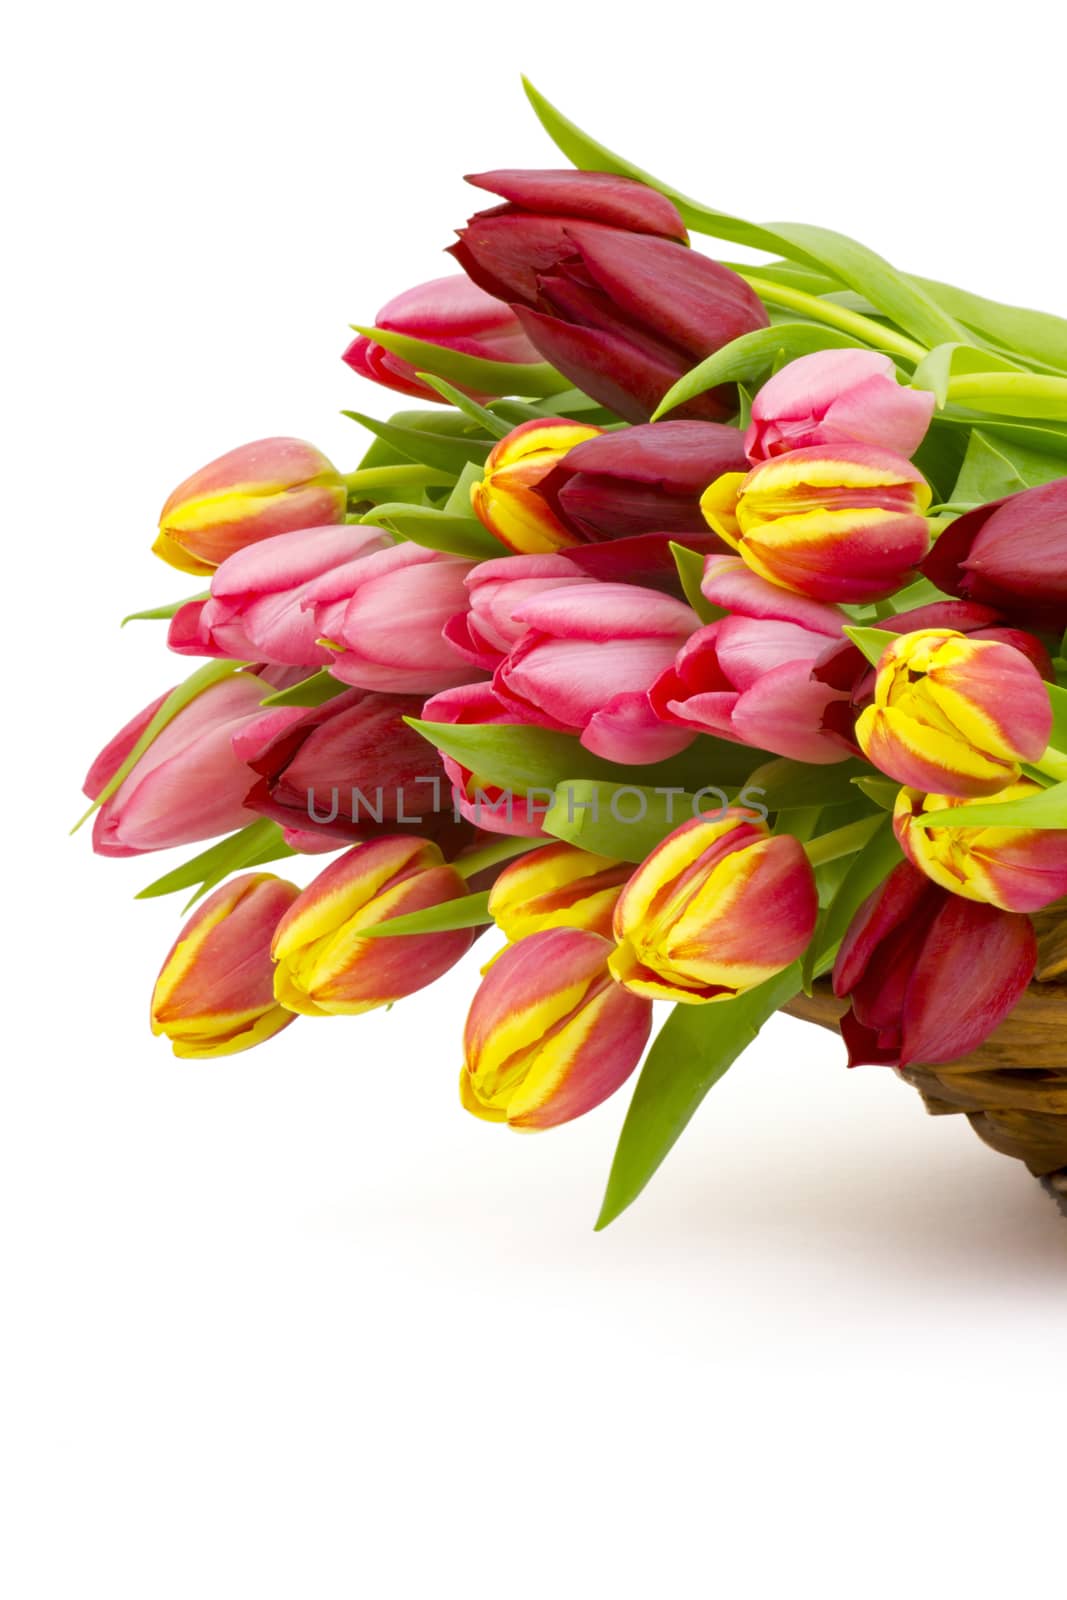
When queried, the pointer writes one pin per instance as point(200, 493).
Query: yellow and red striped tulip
point(1017, 869)
point(507, 499)
point(254, 492)
point(954, 714)
point(324, 965)
point(559, 886)
point(549, 1034)
point(844, 524)
point(215, 992)
point(717, 908)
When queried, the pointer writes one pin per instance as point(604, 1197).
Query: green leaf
point(867, 869)
point(787, 785)
point(883, 791)
point(1037, 335)
point(253, 846)
point(448, 453)
point(437, 530)
point(313, 691)
point(690, 564)
point(164, 613)
point(994, 468)
point(1045, 438)
point(945, 361)
point(469, 911)
point(473, 372)
point(211, 672)
point(495, 426)
point(1046, 809)
point(623, 821)
point(695, 1047)
point(1058, 696)
point(522, 759)
point(751, 357)
point(1012, 394)
point(872, 641)
point(458, 503)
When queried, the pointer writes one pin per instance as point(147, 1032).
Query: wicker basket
point(1013, 1089)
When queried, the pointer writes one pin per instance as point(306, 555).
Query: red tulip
point(1011, 554)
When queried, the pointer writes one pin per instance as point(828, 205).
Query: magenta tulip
point(190, 784)
point(383, 616)
point(929, 974)
point(837, 397)
point(597, 271)
point(451, 312)
point(256, 609)
point(1011, 554)
point(586, 664)
point(748, 676)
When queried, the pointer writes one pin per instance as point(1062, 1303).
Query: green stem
point(1054, 764)
point(843, 841)
point(384, 477)
point(835, 316)
point(1016, 390)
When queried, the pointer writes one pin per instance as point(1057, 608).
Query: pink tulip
point(591, 653)
point(451, 312)
point(748, 677)
point(189, 784)
point(484, 633)
point(837, 397)
point(256, 610)
point(494, 809)
point(383, 617)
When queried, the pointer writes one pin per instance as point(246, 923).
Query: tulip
point(748, 677)
point(837, 397)
point(549, 1035)
point(647, 479)
point(844, 524)
point(506, 499)
point(1011, 554)
point(256, 609)
point(598, 274)
point(324, 966)
point(350, 769)
point(953, 714)
point(451, 312)
point(719, 907)
point(382, 619)
point(215, 992)
point(251, 493)
point(1017, 869)
point(559, 886)
point(586, 664)
point(489, 807)
point(486, 629)
point(190, 783)
point(930, 975)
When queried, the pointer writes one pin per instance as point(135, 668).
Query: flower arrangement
point(699, 626)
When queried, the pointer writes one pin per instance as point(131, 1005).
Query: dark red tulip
point(930, 975)
point(352, 769)
point(596, 271)
point(1011, 553)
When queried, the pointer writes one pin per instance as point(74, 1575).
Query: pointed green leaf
point(787, 785)
point(165, 612)
point(448, 453)
point(495, 426)
point(751, 357)
point(259, 842)
point(313, 691)
point(945, 361)
point(470, 911)
point(690, 564)
point(473, 372)
point(694, 1048)
point(437, 530)
point(1036, 335)
point(1046, 809)
point(867, 869)
point(458, 503)
point(874, 642)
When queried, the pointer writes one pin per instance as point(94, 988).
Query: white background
point(290, 1324)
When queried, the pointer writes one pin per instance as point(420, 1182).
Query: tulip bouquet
point(698, 625)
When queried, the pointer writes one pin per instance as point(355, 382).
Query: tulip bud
point(837, 397)
point(451, 312)
point(486, 628)
point(1011, 554)
point(953, 714)
point(251, 493)
point(1017, 869)
point(485, 804)
point(549, 1035)
point(215, 993)
point(557, 887)
point(257, 610)
point(383, 619)
point(845, 524)
point(506, 500)
point(719, 907)
point(593, 267)
point(324, 967)
point(930, 975)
